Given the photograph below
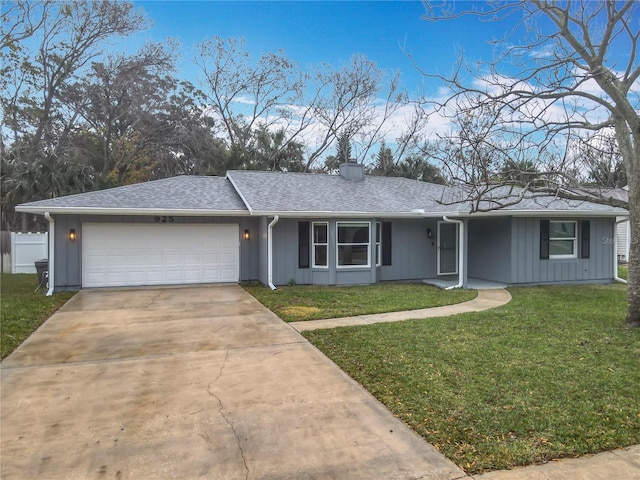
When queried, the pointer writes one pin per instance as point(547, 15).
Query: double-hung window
point(320, 244)
point(563, 239)
point(353, 244)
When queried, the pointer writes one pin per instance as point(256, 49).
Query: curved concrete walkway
point(486, 299)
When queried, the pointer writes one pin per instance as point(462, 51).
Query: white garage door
point(115, 255)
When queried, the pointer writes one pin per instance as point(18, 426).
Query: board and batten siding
point(413, 254)
point(285, 254)
point(68, 255)
point(489, 241)
point(527, 267)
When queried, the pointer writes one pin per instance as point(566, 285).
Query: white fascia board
point(321, 214)
point(563, 213)
point(130, 211)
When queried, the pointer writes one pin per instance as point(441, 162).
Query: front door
point(447, 248)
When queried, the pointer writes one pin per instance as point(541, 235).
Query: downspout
point(270, 252)
point(615, 251)
point(52, 254)
point(460, 252)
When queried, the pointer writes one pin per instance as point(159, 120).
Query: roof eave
point(179, 212)
point(566, 213)
point(453, 214)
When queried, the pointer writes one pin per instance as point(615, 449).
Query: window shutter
point(386, 243)
point(544, 239)
point(585, 238)
point(303, 244)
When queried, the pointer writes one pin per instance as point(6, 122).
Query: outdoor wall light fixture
point(72, 235)
point(429, 233)
point(247, 236)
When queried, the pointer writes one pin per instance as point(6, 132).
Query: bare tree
point(563, 68)
point(244, 95)
point(67, 37)
point(598, 155)
point(357, 99)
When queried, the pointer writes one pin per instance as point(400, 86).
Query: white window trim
point(575, 240)
point(378, 244)
point(346, 267)
point(314, 245)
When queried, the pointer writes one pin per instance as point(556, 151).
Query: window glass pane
point(353, 254)
point(562, 229)
point(378, 228)
point(320, 258)
point(561, 247)
point(353, 233)
point(319, 233)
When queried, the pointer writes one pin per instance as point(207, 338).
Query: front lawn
point(552, 374)
point(309, 302)
point(22, 310)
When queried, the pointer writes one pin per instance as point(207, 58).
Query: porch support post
point(464, 252)
point(270, 252)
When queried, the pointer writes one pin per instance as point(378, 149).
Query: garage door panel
point(130, 254)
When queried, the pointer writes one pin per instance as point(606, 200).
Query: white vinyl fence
point(26, 248)
point(624, 240)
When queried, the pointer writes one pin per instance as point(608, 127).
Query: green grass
point(623, 271)
point(22, 311)
point(308, 302)
point(552, 374)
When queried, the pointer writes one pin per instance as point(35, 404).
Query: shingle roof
point(176, 193)
point(309, 192)
point(269, 193)
point(277, 192)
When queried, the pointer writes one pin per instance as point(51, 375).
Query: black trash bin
point(42, 269)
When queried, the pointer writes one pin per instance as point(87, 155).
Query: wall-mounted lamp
point(246, 235)
point(72, 235)
point(429, 233)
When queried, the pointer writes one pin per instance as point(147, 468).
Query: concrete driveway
point(192, 383)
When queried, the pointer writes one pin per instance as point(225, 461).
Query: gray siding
point(68, 255)
point(285, 258)
point(413, 254)
point(68, 265)
point(263, 269)
point(285, 254)
point(527, 267)
point(488, 247)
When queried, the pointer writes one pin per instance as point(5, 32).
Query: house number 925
point(163, 219)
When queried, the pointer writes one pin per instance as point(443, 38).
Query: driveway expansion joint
point(625, 458)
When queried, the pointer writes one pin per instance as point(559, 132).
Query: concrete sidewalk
point(485, 300)
point(622, 464)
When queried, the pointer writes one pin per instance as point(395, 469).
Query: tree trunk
point(633, 287)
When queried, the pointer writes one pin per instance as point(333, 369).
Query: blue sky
point(311, 32)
